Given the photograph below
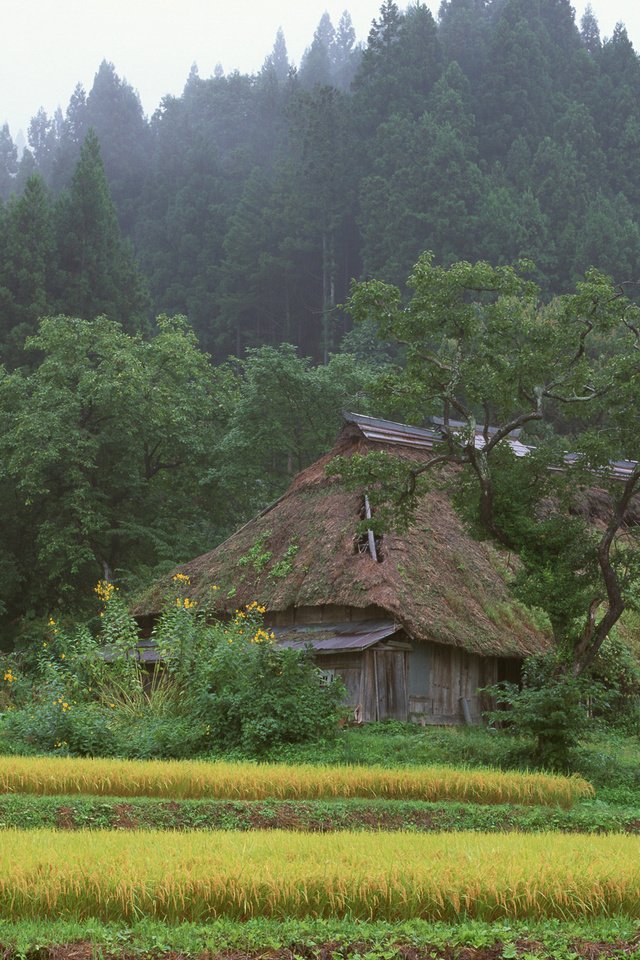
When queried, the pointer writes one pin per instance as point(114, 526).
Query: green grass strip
point(249, 781)
point(24, 811)
point(309, 938)
point(199, 876)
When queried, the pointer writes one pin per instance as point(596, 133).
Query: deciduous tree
point(482, 349)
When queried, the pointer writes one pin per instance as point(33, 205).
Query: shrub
point(550, 707)
point(251, 695)
point(221, 686)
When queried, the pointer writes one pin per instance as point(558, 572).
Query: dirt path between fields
point(334, 950)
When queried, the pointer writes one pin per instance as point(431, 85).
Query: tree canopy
point(488, 356)
point(498, 130)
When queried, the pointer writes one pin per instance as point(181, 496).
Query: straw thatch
point(435, 581)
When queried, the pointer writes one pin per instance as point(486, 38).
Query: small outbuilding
point(415, 624)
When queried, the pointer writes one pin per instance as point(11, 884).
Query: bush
point(252, 695)
point(221, 686)
point(618, 674)
point(550, 707)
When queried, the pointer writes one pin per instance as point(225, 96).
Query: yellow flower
point(62, 656)
point(104, 590)
point(181, 578)
point(52, 622)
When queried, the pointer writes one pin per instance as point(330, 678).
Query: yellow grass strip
point(394, 876)
point(249, 781)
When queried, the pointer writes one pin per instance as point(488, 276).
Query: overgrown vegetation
point(121, 455)
point(373, 940)
point(74, 812)
point(219, 686)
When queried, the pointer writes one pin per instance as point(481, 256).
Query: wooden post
point(370, 534)
point(375, 679)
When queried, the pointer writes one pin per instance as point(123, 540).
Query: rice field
point(183, 780)
point(395, 876)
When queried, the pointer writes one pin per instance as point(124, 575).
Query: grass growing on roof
point(393, 876)
point(248, 781)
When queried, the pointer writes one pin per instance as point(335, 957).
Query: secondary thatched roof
point(436, 581)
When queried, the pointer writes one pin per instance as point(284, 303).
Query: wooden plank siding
point(404, 679)
point(440, 677)
point(327, 613)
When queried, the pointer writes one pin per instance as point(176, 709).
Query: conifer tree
point(97, 274)
point(346, 53)
point(590, 31)
point(316, 67)
point(26, 269)
point(8, 162)
point(277, 63)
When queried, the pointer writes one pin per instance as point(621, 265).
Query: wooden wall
point(426, 684)
point(327, 613)
point(440, 677)
point(376, 682)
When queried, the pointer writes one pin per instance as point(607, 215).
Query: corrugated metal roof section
point(326, 636)
point(386, 431)
point(520, 449)
point(340, 637)
point(479, 428)
point(622, 469)
point(145, 651)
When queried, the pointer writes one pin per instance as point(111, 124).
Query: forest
point(206, 254)
point(502, 129)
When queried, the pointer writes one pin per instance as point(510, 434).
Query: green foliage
point(96, 271)
point(500, 131)
point(284, 414)
point(485, 355)
point(389, 484)
point(557, 571)
point(372, 940)
point(283, 567)
point(549, 706)
point(220, 687)
point(23, 811)
point(100, 444)
point(250, 694)
point(257, 557)
point(617, 670)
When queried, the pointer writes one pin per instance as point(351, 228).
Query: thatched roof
point(435, 580)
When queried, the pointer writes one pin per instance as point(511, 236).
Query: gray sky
point(49, 46)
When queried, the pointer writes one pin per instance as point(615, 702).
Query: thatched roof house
point(414, 632)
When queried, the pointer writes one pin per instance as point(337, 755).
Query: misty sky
point(49, 46)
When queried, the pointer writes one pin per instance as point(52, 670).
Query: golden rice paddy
point(199, 876)
point(250, 781)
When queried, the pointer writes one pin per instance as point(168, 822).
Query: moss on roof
point(436, 580)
